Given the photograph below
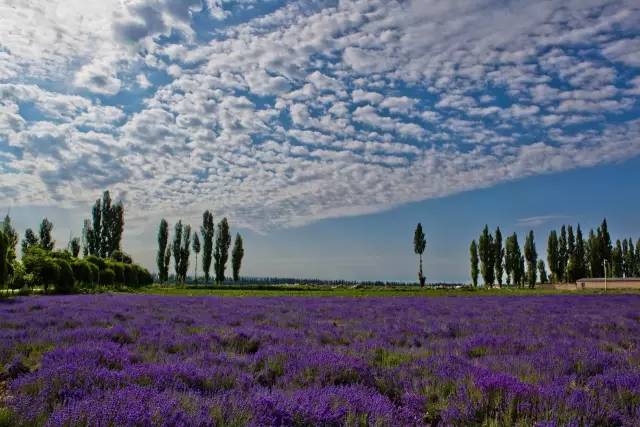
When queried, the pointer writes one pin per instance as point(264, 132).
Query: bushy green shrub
point(121, 257)
point(144, 277)
point(101, 263)
point(95, 274)
point(66, 280)
point(107, 277)
point(130, 276)
point(82, 271)
point(45, 269)
point(17, 280)
point(118, 270)
point(61, 254)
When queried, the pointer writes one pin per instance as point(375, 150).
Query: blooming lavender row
point(130, 360)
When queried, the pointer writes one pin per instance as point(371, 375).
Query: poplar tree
point(571, 258)
point(552, 256)
point(419, 245)
point(636, 270)
point(580, 255)
point(498, 257)
point(4, 262)
point(625, 257)
point(185, 250)
point(221, 254)
point(531, 256)
point(617, 261)
point(30, 240)
point(605, 243)
point(74, 247)
point(163, 239)
point(594, 254)
point(12, 239)
point(486, 251)
point(630, 260)
point(196, 250)
point(236, 257)
point(542, 272)
point(167, 259)
point(177, 249)
point(473, 254)
point(46, 241)
point(562, 255)
point(207, 232)
point(96, 229)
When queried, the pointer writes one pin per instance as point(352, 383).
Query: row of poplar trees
point(184, 241)
point(495, 262)
point(571, 257)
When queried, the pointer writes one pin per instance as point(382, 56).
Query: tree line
point(103, 264)
point(497, 263)
point(570, 257)
point(184, 240)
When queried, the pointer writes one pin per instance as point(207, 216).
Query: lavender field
point(151, 360)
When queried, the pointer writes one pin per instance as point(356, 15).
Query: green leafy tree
point(46, 241)
point(531, 256)
point(167, 259)
point(74, 247)
point(630, 259)
point(12, 240)
point(498, 257)
point(637, 263)
point(473, 254)
point(185, 251)
point(419, 245)
point(177, 249)
point(562, 255)
point(163, 239)
point(221, 254)
point(553, 257)
point(521, 272)
point(514, 258)
point(207, 231)
point(96, 229)
point(571, 255)
point(236, 257)
point(542, 272)
point(111, 227)
point(196, 250)
point(580, 255)
point(30, 239)
point(617, 261)
point(4, 261)
point(594, 254)
point(486, 251)
point(606, 248)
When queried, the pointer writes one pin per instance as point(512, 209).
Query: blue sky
point(323, 129)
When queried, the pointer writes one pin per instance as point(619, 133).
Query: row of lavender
point(147, 360)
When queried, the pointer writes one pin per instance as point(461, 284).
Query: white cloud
point(312, 110)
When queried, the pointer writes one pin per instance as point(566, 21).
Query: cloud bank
point(282, 113)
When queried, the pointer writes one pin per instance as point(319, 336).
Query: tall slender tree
point(221, 254)
point(177, 249)
point(419, 245)
point(12, 239)
point(4, 262)
point(617, 261)
point(30, 239)
point(571, 255)
point(542, 272)
point(580, 255)
point(605, 244)
point(185, 250)
point(163, 239)
point(637, 263)
point(594, 254)
point(498, 257)
point(167, 258)
point(207, 232)
point(531, 256)
point(630, 259)
point(486, 251)
point(96, 229)
point(473, 254)
point(553, 256)
point(46, 241)
point(562, 255)
point(196, 250)
point(236, 257)
point(74, 247)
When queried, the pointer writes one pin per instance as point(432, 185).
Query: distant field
point(143, 360)
point(323, 291)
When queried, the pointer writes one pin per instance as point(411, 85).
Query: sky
point(324, 130)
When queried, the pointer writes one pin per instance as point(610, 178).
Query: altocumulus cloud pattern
point(281, 113)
